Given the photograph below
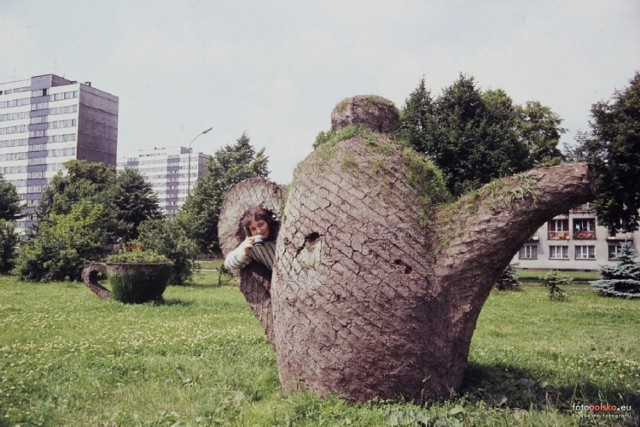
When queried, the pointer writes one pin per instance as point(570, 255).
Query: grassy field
point(69, 358)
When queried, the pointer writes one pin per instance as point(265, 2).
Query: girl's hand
point(248, 245)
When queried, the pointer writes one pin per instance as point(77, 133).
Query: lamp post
point(189, 167)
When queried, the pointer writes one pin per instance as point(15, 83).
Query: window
point(614, 250)
point(529, 252)
point(584, 229)
point(558, 229)
point(559, 252)
point(586, 252)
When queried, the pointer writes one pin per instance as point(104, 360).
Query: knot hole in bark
point(407, 268)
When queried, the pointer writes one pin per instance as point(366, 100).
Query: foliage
point(137, 254)
point(508, 280)
point(613, 152)
point(228, 166)
point(540, 129)
point(8, 243)
point(170, 240)
point(475, 136)
point(553, 282)
point(64, 244)
point(202, 359)
point(135, 202)
point(10, 204)
point(622, 280)
point(83, 181)
point(417, 119)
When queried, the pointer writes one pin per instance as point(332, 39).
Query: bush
point(8, 244)
point(509, 280)
point(553, 280)
point(168, 239)
point(64, 244)
point(622, 280)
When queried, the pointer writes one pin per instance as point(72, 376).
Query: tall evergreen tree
point(135, 202)
point(228, 166)
point(417, 121)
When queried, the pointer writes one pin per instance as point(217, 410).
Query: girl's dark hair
point(257, 213)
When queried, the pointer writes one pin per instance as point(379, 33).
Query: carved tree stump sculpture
point(376, 289)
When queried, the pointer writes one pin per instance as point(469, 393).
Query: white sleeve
point(237, 258)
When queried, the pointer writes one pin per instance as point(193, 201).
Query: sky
point(275, 69)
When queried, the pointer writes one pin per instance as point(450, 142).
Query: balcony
point(559, 235)
point(620, 236)
point(584, 235)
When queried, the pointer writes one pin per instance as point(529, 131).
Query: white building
point(574, 241)
point(46, 121)
point(172, 171)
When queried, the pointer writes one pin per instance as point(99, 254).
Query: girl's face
point(259, 227)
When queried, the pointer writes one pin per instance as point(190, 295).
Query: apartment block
point(573, 241)
point(172, 171)
point(46, 121)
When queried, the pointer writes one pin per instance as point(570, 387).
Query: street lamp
point(189, 167)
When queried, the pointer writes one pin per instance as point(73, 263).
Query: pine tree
point(622, 280)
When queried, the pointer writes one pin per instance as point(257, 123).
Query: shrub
point(509, 280)
point(168, 239)
point(8, 244)
point(137, 254)
point(553, 280)
point(64, 244)
point(622, 280)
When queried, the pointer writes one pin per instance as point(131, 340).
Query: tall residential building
point(573, 241)
point(172, 171)
point(46, 121)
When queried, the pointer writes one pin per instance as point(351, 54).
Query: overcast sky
point(275, 69)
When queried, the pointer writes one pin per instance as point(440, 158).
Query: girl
point(258, 230)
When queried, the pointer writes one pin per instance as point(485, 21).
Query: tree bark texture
point(254, 280)
point(375, 293)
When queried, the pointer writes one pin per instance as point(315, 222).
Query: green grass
point(69, 358)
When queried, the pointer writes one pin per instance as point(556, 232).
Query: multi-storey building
point(172, 171)
point(46, 121)
point(574, 241)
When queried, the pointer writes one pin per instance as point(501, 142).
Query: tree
point(417, 119)
point(8, 243)
point(64, 244)
point(540, 130)
point(622, 280)
point(613, 151)
point(228, 166)
point(83, 180)
point(135, 202)
point(378, 291)
point(476, 136)
point(10, 204)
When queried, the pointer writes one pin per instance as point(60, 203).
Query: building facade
point(574, 241)
point(46, 121)
point(172, 171)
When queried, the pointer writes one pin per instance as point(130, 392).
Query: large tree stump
point(376, 290)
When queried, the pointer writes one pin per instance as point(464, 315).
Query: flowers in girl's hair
point(137, 254)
